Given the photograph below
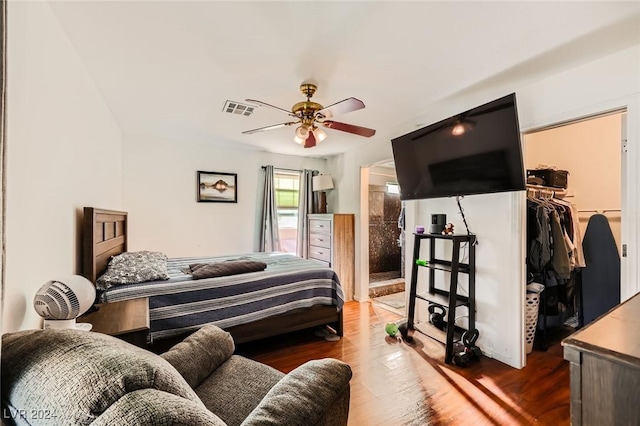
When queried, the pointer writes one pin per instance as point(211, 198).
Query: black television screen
point(475, 152)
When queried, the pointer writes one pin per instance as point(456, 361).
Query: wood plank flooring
point(395, 383)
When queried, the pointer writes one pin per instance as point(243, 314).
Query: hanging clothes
point(561, 252)
point(553, 237)
point(576, 235)
point(538, 226)
point(553, 254)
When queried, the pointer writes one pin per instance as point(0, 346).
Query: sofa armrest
point(154, 407)
point(197, 356)
point(305, 395)
point(74, 376)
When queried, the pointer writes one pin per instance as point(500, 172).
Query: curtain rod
point(289, 170)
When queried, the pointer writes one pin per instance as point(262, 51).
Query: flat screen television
point(475, 152)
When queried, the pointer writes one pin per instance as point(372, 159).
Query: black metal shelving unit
point(447, 299)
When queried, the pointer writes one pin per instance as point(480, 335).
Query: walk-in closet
point(573, 242)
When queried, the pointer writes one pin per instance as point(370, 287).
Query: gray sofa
point(61, 377)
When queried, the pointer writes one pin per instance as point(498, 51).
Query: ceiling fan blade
point(274, 126)
point(260, 103)
point(349, 128)
point(311, 141)
point(342, 107)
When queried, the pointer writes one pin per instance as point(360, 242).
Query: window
point(287, 202)
point(393, 188)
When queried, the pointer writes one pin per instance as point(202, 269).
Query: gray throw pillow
point(134, 267)
point(198, 355)
point(303, 396)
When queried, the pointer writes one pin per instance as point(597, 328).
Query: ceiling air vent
point(237, 108)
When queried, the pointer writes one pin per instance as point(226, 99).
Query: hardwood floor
point(395, 383)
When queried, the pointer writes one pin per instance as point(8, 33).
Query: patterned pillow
point(134, 267)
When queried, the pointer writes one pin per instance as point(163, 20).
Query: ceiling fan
point(312, 116)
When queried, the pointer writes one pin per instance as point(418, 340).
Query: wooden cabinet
point(331, 241)
point(605, 368)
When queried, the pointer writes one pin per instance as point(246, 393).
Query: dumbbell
point(467, 352)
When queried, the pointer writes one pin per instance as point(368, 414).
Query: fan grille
point(57, 302)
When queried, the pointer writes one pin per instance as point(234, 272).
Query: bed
point(181, 304)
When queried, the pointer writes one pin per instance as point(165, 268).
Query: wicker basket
point(531, 313)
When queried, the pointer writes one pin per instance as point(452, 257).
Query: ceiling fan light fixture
point(302, 132)
point(319, 134)
point(298, 140)
point(310, 115)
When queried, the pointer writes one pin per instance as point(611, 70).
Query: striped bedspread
point(181, 303)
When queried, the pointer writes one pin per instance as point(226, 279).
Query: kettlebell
point(470, 337)
point(436, 316)
point(467, 352)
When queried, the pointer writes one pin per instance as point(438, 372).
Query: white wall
point(608, 83)
point(64, 152)
point(380, 176)
point(160, 195)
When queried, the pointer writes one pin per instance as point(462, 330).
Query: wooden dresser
point(605, 368)
point(331, 241)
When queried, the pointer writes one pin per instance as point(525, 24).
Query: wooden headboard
point(104, 234)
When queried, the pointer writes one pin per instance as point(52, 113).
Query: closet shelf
point(554, 192)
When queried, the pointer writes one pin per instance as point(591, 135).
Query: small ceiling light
point(298, 140)
point(319, 134)
point(462, 126)
point(458, 129)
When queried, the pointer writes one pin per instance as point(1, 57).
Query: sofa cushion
point(197, 356)
point(77, 375)
point(304, 395)
point(151, 407)
point(236, 388)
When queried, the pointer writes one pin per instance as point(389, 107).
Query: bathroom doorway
point(386, 239)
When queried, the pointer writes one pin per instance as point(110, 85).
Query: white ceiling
point(166, 68)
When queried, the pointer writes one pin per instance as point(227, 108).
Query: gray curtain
point(306, 206)
point(3, 164)
point(269, 233)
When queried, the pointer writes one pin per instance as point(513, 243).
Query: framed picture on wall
point(216, 187)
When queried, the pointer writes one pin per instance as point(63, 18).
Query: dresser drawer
point(320, 240)
point(320, 253)
point(323, 263)
point(317, 226)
